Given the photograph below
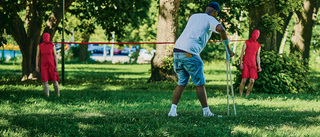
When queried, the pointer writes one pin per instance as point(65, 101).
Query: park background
point(133, 99)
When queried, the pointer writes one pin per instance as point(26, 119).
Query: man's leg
point(242, 84)
point(56, 87)
point(177, 93)
point(202, 96)
point(46, 88)
point(250, 86)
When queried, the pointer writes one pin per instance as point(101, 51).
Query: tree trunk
point(267, 39)
point(56, 17)
point(280, 35)
point(18, 32)
point(29, 38)
point(85, 36)
point(167, 32)
point(302, 31)
point(34, 36)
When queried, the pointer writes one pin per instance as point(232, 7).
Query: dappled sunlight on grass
point(244, 130)
point(116, 100)
point(4, 122)
point(277, 130)
point(88, 115)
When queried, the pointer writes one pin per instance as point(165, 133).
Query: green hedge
point(280, 74)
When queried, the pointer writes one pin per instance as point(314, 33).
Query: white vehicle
point(145, 55)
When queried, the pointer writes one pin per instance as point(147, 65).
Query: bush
point(280, 74)
point(213, 52)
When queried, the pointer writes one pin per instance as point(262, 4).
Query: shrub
point(213, 52)
point(280, 74)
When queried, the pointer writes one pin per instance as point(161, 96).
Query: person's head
point(213, 9)
point(255, 35)
point(46, 37)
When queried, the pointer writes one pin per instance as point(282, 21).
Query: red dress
point(47, 65)
point(249, 60)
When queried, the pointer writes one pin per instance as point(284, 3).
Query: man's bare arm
point(224, 36)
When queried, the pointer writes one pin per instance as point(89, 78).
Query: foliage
point(229, 17)
point(213, 51)
point(273, 22)
point(167, 59)
point(280, 74)
point(115, 100)
point(112, 15)
point(147, 30)
point(315, 42)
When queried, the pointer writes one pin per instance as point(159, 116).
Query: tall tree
point(27, 32)
point(271, 18)
point(111, 15)
point(302, 33)
point(86, 28)
point(167, 31)
point(2, 22)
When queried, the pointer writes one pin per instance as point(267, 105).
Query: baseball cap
point(215, 5)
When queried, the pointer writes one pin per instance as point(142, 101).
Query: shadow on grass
point(155, 122)
point(75, 78)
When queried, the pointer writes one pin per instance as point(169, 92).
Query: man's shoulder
point(203, 16)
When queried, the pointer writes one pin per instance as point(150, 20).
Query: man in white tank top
point(188, 47)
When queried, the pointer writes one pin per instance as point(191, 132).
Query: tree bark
point(85, 36)
point(302, 31)
point(267, 39)
point(56, 17)
point(280, 35)
point(167, 32)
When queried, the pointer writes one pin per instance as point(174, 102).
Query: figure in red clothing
point(46, 52)
point(248, 62)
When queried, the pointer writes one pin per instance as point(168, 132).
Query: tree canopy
point(26, 20)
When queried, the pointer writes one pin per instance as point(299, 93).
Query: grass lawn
point(116, 100)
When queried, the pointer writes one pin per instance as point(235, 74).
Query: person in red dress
point(248, 62)
point(46, 52)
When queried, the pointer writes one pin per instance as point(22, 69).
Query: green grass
point(116, 100)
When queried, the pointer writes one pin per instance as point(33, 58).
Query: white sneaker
point(208, 114)
point(172, 114)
